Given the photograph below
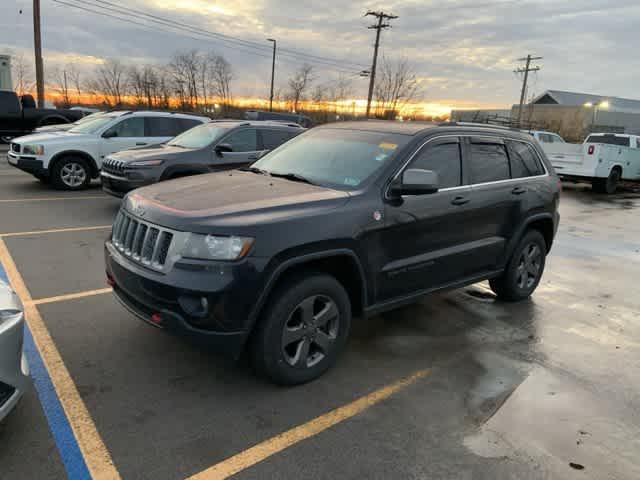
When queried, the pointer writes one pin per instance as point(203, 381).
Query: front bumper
point(120, 186)
point(27, 164)
point(210, 304)
point(14, 369)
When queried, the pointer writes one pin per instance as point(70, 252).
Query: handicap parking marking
point(272, 446)
point(81, 448)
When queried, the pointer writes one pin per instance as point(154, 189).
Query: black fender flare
point(295, 261)
point(95, 171)
point(515, 239)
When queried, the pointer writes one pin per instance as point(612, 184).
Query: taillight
point(591, 149)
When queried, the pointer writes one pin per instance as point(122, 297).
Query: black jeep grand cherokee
point(346, 219)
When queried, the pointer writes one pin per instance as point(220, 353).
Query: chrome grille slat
point(142, 242)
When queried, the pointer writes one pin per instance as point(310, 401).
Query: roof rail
point(475, 124)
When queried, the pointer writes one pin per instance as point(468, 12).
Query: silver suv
point(215, 146)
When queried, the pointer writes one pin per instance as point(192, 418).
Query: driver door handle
point(140, 143)
point(460, 200)
point(252, 157)
point(519, 190)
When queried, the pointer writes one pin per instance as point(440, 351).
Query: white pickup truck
point(603, 158)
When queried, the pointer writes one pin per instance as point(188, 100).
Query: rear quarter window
point(524, 160)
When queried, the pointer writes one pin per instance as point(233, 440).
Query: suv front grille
point(114, 167)
point(142, 242)
point(15, 147)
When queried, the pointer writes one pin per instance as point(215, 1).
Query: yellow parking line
point(270, 447)
point(71, 296)
point(57, 230)
point(52, 199)
point(93, 450)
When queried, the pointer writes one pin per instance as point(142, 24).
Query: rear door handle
point(519, 190)
point(140, 143)
point(252, 157)
point(459, 201)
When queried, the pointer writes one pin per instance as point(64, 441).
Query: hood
point(148, 153)
point(57, 137)
point(54, 128)
point(237, 199)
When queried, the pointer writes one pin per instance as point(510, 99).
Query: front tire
point(303, 330)
point(524, 270)
point(71, 173)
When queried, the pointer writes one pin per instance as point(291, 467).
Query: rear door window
point(489, 161)
point(162, 127)
point(274, 138)
point(524, 160)
point(445, 159)
point(609, 140)
point(185, 124)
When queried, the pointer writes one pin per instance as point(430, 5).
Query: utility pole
point(273, 72)
point(378, 27)
point(527, 68)
point(37, 44)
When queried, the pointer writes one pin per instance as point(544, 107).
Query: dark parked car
point(346, 219)
point(301, 120)
point(215, 146)
point(19, 115)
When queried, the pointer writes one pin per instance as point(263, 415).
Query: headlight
point(211, 247)
point(146, 163)
point(33, 149)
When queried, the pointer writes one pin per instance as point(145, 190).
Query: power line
point(378, 27)
point(526, 69)
point(237, 43)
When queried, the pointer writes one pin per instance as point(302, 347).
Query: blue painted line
point(59, 426)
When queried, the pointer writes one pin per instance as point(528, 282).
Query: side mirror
point(415, 181)
point(110, 134)
point(223, 148)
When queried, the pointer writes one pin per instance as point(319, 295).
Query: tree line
point(203, 81)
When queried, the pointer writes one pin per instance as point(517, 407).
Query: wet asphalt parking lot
point(459, 386)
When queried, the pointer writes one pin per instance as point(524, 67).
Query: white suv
point(70, 159)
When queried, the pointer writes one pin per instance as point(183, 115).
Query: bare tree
point(23, 81)
point(57, 77)
point(110, 82)
point(185, 70)
point(396, 85)
point(221, 75)
point(75, 78)
point(299, 83)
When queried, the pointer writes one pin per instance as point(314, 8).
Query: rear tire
point(302, 330)
point(524, 270)
point(608, 185)
point(71, 173)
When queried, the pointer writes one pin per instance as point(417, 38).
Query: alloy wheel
point(529, 266)
point(73, 174)
point(310, 331)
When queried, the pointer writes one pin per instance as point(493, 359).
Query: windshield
point(333, 157)
point(93, 125)
point(199, 137)
point(609, 140)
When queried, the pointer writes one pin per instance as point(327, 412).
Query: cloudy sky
point(464, 51)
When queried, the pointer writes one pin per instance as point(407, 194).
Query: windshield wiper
point(293, 176)
point(254, 170)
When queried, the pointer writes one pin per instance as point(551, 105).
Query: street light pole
point(273, 72)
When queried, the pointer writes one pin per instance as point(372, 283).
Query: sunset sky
point(463, 51)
